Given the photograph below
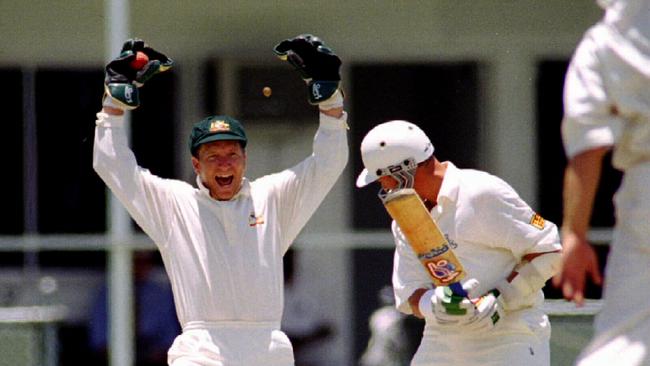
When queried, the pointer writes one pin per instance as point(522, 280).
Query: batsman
point(471, 256)
point(222, 242)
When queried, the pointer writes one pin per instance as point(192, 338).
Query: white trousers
point(231, 344)
point(623, 326)
point(490, 348)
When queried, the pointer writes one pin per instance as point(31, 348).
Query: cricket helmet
point(392, 145)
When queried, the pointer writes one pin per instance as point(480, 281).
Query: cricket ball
point(139, 61)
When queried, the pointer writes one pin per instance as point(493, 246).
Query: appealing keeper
point(222, 242)
point(507, 250)
point(607, 106)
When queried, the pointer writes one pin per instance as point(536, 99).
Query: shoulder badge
point(537, 221)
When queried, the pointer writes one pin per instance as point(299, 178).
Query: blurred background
point(483, 78)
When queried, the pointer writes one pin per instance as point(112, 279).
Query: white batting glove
point(488, 311)
point(446, 308)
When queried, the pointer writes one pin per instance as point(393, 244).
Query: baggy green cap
point(216, 128)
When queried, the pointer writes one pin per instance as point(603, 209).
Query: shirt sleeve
point(302, 188)
point(143, 194)
point(588, 120)
point(507, 222)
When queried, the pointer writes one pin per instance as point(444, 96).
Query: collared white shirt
point(223, 258)
point(489, 227)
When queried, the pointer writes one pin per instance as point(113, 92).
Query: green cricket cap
point(216, 128)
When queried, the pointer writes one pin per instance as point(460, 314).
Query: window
point(11, 151)
point(288, 98)
point(70, 195)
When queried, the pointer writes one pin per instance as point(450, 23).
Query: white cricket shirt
point(606, 94)
point(223, 258)
point(490, 228)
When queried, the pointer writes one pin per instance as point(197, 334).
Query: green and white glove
point(318, 66)
point(122, 80)
point(445, 307)
point(487, 312)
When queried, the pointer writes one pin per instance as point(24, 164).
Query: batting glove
point(318, 66)
point(446, 307)
point(122, 81)
point(488, 311)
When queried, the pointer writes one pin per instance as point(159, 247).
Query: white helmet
point(390, 144)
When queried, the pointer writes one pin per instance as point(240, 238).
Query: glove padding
point(446, 307)
point(487, 312)
point(121, 80)
point(317, 64)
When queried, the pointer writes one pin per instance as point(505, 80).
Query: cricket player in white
point(507, 250)
point(607, 104)
point(222, 243)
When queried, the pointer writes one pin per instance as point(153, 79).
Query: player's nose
point(387, 183)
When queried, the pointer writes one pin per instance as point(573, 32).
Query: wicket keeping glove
point(318, 66)
point(122, 81)
point(488, 311)
point(445, 307)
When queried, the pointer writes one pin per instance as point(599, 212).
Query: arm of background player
point(579, 259)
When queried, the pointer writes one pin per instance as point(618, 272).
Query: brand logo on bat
point(443, 270)
point(435, 252)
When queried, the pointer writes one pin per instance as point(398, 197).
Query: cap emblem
point(218, 126)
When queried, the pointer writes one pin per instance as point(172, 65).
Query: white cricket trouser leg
point(231, 344)
point(491, 348)
point(622, 328)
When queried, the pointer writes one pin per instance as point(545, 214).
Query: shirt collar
point(244, 190)
point(450, 183)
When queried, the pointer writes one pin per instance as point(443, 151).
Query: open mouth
point(224, 181)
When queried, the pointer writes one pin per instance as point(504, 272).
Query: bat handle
point(458, 289)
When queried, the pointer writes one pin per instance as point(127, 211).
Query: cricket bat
point(426, 239)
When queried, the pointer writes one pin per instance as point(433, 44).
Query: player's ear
point(196, 165)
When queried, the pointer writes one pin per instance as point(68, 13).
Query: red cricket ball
point(139, 61)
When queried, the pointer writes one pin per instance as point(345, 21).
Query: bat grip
point(458, 289)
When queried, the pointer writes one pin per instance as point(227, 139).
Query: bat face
point(424, 236)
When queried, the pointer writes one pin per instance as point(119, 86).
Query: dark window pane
point(11, 151)
point(153, 131)
point(288, 100)
point(551, 157)
point(88, 259)
point(440, 98)
point(71, 196)
point(210, 79)
point(11, 259)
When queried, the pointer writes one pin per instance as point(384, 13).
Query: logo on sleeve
point(255, 220)
point(537, 221)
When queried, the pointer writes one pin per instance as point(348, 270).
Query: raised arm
point(303, 187)
point(113, 160)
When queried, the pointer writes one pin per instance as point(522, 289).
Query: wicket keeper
point(222, 241)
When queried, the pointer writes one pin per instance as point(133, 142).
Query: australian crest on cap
point(219, 125)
